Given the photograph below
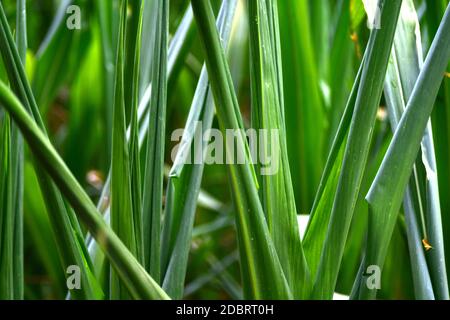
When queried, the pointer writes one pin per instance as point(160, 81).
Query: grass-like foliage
point(113, 115)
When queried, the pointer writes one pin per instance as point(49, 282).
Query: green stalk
point(441, 124)
point(138, 282)
point(386, 193)
point(306, 120)
point(132, 33)
point(318, 222)
point(262, 274)
point(18, 164)
point(176, 55)
point(6, 214)
point(154, 163)
point(122, 219)
point(185, 179)
point(135, 164)
point(341, 60)
point(65, 226)
point(277, 194)
point(403, 70)
point(357, 148)
point(320, 12)
point(106, 16)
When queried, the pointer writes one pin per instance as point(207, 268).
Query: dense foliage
point(94, 171)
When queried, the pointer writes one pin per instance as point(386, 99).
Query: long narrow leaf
point(122, 219)
point(185, 179)
point(357, 148)
point(261, 270)
point(154, 164)
point(403, 70)
point(305, 113)
point(69, 234)
point(277, 194)
point(138, 282)
point(401, 155)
